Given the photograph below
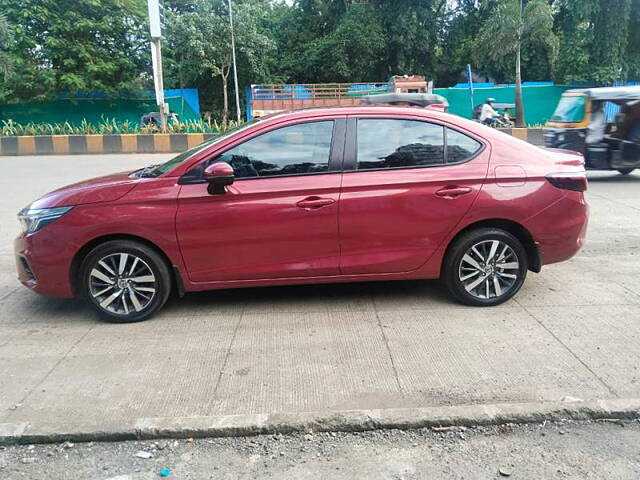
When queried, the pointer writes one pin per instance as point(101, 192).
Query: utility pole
point(156, 28)
point(235, 67)
point(519, 102)
point(470, 78)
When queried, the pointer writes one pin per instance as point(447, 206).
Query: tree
point(352, 52)
point(610, 37)
point(199, 41)
point(458, 40)
point(76, 46)
point(633, 46)
point(412, 28)
point(6, 39)
point(511, 25)
point(574, 24)
point(600, 41)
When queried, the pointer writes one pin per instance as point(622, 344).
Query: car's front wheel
point(125, 281)
point(485, 267)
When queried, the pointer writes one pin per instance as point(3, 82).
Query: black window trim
point(336, 152)
point(350, 162)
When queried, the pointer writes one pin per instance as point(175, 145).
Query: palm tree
point(511, 25)
point(6, 39)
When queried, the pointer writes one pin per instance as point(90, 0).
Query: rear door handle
point(453, 192)
point(313, 203)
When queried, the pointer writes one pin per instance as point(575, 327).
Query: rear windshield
point(569, 110)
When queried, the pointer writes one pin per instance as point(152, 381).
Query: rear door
point(407, 183)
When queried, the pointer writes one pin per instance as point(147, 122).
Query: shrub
point(9, 128)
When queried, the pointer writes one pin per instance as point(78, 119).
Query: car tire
point(626, 171)
point(125, 281)
point(485, 267)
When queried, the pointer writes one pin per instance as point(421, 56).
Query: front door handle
point(453, 192)
point(313, 203)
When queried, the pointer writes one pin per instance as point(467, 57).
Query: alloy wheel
point(489, 269)
point(122, 283)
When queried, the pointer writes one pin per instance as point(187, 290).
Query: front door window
point(293, 150)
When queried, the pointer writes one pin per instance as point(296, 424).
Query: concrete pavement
point(573, 330)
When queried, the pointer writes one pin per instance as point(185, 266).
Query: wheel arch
point(74, 271)
point(534, 257)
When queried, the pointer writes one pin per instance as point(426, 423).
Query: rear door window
point(394, 143)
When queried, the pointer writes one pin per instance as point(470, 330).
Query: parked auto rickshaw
point(580, 123)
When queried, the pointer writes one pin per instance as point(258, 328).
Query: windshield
point(157, 170)
point(569, 110)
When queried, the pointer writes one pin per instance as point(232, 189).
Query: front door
point(410, 182)
point(280, 217)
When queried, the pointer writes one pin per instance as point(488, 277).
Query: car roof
point(382, 110)
point(365, 110)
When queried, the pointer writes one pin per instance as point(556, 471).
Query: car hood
point(95, 190)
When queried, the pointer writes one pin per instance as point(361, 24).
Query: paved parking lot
point(573, 330)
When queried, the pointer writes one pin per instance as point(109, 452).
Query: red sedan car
point(315, 196)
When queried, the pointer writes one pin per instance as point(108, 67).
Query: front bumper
point(43, 265)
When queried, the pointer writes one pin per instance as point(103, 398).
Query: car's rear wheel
point(485, 267)
point(125, 281)
point(626, 171)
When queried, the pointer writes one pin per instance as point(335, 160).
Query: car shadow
point(308, 298)
point(28, 308)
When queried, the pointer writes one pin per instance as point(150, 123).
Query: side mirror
point(219, 175)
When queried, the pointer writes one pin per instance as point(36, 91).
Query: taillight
point(575, 181)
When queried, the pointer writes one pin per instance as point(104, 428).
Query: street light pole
point(158, 83)
point(156, 29)
point(235, 67)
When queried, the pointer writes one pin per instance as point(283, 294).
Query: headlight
point(33, 219)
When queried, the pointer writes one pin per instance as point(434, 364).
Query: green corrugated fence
point(93, 110)
point(539, 102)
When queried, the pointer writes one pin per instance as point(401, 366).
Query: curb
point(340, 421)
point(78, 144)
point(149, 143)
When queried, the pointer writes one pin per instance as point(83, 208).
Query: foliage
point(348, 53)
point(338, 40)
point(6, 40)
point(199, 40)
point(53, 46)
point(111, 127)
point(600, 40)
point(412, 28)
point(76, 46)
point(506, 30)
point(511, 26)
point(633, 42)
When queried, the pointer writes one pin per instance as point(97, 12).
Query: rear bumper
point(560, 230)
point(43, 266)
